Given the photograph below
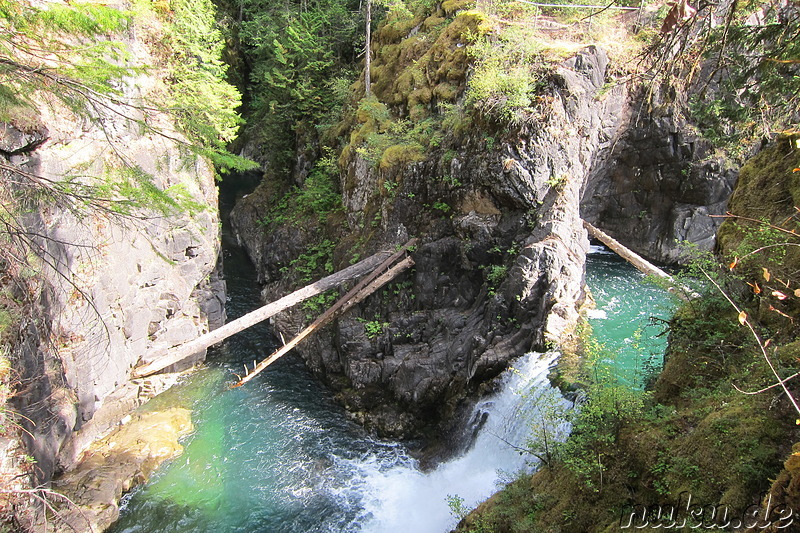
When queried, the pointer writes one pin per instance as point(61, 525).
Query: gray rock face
point(659, 186)
point(113, 289)
point(499, 269)
point(14, 141)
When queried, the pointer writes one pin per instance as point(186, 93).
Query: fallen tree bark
point(353, 297)
point(177, 354)
point(638, 261)
point(627, 254)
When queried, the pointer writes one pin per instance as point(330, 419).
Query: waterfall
point(400, 498)
point(280, 456)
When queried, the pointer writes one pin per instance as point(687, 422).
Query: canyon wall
point(112, 248)
point(496, 204)
point(499, 268)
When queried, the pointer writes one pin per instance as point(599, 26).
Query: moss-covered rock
point(758, 239)
point(410, 63)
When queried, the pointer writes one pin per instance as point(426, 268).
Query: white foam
point(597, 313)
point(399, 498)
point(599, 249)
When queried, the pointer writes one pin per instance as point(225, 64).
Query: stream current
point(278, 455)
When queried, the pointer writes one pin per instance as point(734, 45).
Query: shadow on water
point(260, 457)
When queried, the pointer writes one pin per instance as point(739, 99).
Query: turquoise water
point(278, 455)
point(629, 320)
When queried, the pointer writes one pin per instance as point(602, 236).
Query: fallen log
point(179, 353)
point(639, 262)
point(642, 264)
point(346, 302)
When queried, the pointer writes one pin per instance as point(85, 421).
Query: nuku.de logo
point(684, 513)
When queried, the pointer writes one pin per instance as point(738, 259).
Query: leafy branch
point(741, 72)
point(762, 345)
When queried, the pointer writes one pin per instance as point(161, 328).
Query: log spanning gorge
point(280, 455)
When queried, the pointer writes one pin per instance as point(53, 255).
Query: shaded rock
point(499, 267)
point(14, 141)
point(661, 183)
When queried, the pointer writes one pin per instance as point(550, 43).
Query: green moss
point(768, 190)
point(378, 73)
point(450, 7)
point(401, 154)
point(767, 180)
point(394, 30)
point(373, 111)
point(445, 92)
point(418, 113)
point(422, 96)
point(432, 22)
point(790, 353)
point(409, 68)
point(389, 53)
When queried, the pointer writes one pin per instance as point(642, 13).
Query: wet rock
point(117, 463)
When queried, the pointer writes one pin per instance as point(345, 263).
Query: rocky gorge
point(495, 194)
point(498, 209)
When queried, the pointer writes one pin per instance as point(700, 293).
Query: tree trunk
point(638, 261)
point(179, 353)
point(367, 77)
point(356, 295)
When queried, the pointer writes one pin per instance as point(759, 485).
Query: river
point(278, 455)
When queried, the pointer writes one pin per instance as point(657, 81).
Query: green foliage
point(318, 197)
point(319, 193)
point(506, 79)
point(387, 142)
point(199, 95)
point(373, 328)
point(135, 187)
point(547, 414)
point(456, 505)
point(318, 258)
point(319, 303)
point(441, 206)
point(70, 72)
point(608, 405)
point(755, 66)
point(66, 57)
point(495, 274)
point(298, 53)
point(558, 182)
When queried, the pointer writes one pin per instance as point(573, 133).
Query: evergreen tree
point(297, 52)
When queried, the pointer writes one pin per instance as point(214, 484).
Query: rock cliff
point(102, 281)
point(660, 184)
point(496, 204)
point(499, 269)
point(114, 290)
